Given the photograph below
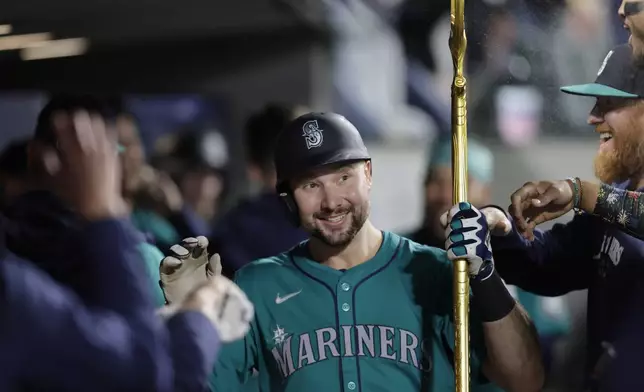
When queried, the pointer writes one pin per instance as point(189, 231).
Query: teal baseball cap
point(480, 160)
point(619, 76)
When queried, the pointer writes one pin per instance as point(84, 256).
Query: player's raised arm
point(556, 198)
point(112, 341)
point(513, 358)
point(552, 263)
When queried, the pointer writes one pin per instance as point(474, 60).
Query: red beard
point(626, 161)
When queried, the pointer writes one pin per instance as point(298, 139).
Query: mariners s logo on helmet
point(312, 134)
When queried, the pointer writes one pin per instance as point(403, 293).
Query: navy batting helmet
point(311, 141)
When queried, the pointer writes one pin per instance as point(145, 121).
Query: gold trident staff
point(461, 289)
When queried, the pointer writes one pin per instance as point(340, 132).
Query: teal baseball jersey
point(384, 325)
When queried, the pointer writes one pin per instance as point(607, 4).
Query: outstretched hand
point(192, 281)
point(188, 267)
point(538, 202)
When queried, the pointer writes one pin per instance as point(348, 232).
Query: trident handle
point(461, 284)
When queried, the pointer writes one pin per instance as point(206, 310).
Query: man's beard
point(624, 162)
point(358, 219)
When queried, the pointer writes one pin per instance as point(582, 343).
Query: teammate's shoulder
point(267, 265)
point(417, 250)
point(428, 263)
point(264, 265)
point(420, 259)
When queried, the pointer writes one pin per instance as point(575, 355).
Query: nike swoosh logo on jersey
point(279, 300)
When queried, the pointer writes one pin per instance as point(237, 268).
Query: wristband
point(581, 194)
point(491, 298)
point(575, 183)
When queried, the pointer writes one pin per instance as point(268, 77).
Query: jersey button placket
point(344, 295)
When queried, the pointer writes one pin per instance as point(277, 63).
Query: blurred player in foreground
point(37, 211)
point(53, 339)
point(356, 308)
point(588, 253)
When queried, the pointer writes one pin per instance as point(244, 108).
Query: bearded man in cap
point(589, 253)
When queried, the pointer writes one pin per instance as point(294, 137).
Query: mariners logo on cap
point(312, 134)
point(601, 69)
point(618, 77)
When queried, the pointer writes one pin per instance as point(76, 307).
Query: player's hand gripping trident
point(468, 236)
point(190, 280)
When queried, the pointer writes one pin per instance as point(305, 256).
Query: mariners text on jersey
point(383, 325)
point(327, 345)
